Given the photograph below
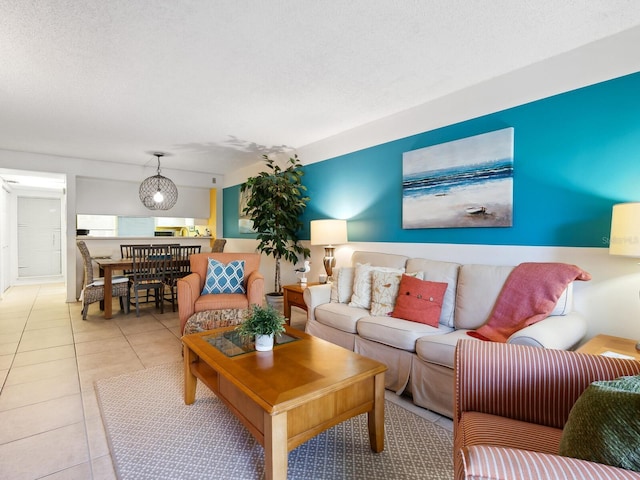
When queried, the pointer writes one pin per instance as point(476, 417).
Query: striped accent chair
point(511, 404)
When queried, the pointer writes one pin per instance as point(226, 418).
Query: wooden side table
point(602, 344)
point(293, 297)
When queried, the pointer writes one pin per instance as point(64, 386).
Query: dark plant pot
point(275, 300)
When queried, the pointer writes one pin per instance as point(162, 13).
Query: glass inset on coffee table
point(232, 344)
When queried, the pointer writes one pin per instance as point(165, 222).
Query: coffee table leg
point(190, 380)
point(275, 446)
point(376, 416)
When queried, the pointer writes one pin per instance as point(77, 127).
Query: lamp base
point(329, 261)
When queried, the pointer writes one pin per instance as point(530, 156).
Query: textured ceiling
point(218, 83)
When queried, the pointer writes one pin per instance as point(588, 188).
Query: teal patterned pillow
point(604, 424)
point(223, 278)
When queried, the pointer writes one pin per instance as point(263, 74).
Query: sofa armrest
point(490, 462)
point(315, 295)
point(188, 292)
point(535, 385)
point(559, 332)
point(255, 288)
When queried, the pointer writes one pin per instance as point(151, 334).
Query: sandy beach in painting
point(450, 210)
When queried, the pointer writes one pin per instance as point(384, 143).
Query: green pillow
point(604, 424)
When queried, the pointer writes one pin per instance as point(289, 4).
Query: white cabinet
point(174, 222)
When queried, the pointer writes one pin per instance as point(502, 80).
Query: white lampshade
point(625, 230)
point(328, 232)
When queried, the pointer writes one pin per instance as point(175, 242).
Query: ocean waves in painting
point(446, 180)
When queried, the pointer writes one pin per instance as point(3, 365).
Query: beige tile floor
point(50, 424)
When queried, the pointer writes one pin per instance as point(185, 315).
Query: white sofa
point(420, 357)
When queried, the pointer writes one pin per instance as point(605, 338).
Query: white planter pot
point(264, 343)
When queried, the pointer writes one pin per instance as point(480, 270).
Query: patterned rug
point(154, 435)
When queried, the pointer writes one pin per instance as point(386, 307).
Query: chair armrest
point(484, 461)
point(315, 295)
point(188, 292)
point(560, 332)
point(255, 288)
point(535, 385)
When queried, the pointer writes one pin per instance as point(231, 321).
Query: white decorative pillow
point(384, 290)
point(342, 286)
point(362, 284)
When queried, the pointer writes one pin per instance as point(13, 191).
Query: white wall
point(599, 61)
point(74, 167)
point(4, 238)
point(193, 202)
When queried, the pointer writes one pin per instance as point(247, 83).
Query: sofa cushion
point(497, 463)
point(396, 332)
point(604, 424)
point(437, 271)
point(379, 259)
point(529, 295)
point(479, 428)
point(384, 291)
point(340, 316)
point(419, 300)
point(565, 302)
point(362, 284)
point(342, 285)
point(214, 301)
point(440, 349)
point(478, 290)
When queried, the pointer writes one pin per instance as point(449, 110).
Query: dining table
point(107, 266)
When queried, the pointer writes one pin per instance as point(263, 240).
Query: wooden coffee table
point(291, 394)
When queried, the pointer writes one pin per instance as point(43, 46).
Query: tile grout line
point(84, 413)
point(15, 352)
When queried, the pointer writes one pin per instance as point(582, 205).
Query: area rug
point(154, 435)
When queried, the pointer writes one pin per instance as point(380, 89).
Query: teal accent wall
point(575, 155)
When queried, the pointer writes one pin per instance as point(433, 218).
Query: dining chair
point(93, 288)
point(149, 264)
point(179, 267)
point(218, 245)
point(126, 251)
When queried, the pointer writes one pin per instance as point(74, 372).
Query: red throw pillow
point(419, 300)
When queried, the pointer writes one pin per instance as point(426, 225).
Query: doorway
point(39, 237)
point(33, 221)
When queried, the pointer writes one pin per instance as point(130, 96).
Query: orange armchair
point(511, 405)
point(191, 301)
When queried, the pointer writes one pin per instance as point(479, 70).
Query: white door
point(39, 234)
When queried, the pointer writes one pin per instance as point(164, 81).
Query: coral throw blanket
point(528, 296)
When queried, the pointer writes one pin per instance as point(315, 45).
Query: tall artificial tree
point(276, 201)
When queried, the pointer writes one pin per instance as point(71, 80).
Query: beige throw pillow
point(342, 286)
point(384, 290)
point(362, 284)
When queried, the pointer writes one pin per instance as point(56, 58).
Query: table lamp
point(625, 232)
point(328, 233)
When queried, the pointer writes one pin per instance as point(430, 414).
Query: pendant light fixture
point(158, 192)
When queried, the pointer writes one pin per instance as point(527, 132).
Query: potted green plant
point(275, 202)
point(261, 325)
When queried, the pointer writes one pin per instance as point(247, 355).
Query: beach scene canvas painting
point(463, 183)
